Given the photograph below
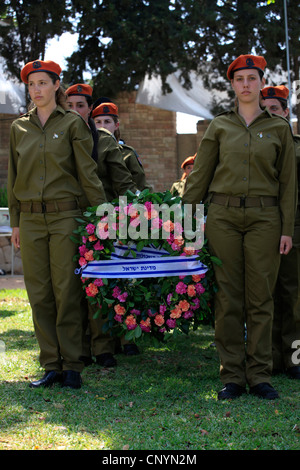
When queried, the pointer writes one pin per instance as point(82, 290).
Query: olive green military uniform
point(50, 170)
point(178, 187)
point(249, 174)
point(134, 165)
point(116, 179)
point(112, 171)
point(286, 325)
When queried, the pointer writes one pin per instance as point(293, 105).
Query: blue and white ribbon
point(149, 263)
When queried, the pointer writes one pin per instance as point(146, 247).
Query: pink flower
point(181, 288)
point(131, 322)
point(170, 240)
point(176, 312)
point(184, 305)
point(177, 228)
point(159, 320)
point(199, 288)
point(171, 323)
point(145, 325)
point(90, 228)
point(188, 250)
point(91, 290)
point(175, 247)
point(135, 222)
point(156, 223)
point(98, 246)
point(169, 298)
point(82, 250)
point(148, 205)
point(119, 309)
point(89, 255)
point(196, 303)
point(168, 226)
point(162, 309)
point(82, 261)
point(126, 208)
point(118, 318)
point(123, 297)
point(191, 291)
point(135, 311)
point(102, 232)
point(116, 292)
point(98, 282)
point(188, 314)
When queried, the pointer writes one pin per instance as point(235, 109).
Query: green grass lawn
point(164, 399)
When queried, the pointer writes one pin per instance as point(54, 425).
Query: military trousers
point(286, 324)
point(246, 240)
point(54, 290)
point(95, 341)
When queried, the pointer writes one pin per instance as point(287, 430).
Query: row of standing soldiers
point(52, 178)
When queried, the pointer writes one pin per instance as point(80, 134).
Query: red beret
point(106, 109)
point(188, 161)
point(39, 66)
point(280, 92)
point(80, 89)
point(247, 61)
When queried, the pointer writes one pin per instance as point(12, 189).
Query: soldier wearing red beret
point(106, 115)
point(187, 166)
point(50, 172)
point(286, 324)
point(116, 179)
point(246, 165)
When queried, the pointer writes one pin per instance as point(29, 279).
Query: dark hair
point(117, 132)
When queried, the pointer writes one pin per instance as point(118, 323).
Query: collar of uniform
point(265, 113)
point(33, 112)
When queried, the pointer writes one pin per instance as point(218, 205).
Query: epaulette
point(105, 131)
point(228, 111)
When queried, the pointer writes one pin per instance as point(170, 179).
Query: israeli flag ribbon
point(149, 262)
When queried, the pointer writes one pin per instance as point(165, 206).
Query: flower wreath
point(147, 306)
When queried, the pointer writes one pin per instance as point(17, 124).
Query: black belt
point(233, 201)
point(43, 207)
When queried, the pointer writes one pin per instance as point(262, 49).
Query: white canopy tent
point(195, 101)
point(12, 94)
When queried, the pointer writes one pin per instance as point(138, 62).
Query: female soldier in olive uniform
point(50, 170)
point(286, 324)
point(246, 163)
point(116, 180)
point(187, 166)
point(106, 115)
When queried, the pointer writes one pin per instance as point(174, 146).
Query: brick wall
point(152, 132)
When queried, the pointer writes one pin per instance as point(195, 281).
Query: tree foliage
point(30, 24)
point(121, 41)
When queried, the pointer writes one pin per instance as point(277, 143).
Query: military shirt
point(178, 187)
point(134, 165)
point(246, 161)
point(114, 174)
point(51, 162)
point(296, 238)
